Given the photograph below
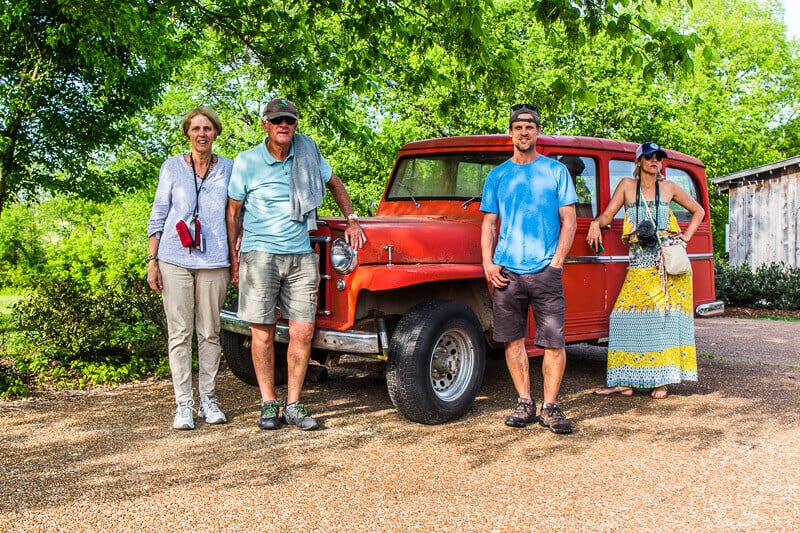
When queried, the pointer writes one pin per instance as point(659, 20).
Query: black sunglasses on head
point(280, 120)
point(517, 107)
point(658, 156)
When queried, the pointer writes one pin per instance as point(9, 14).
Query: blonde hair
point(207, 112)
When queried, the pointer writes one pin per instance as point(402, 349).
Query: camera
point(646, 233)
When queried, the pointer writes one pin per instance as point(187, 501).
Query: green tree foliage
point(21, 247)
point(92, 245)
point(75, 71)
point(70, 70)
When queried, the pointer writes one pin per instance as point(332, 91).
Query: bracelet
point(352, 216)
point(151, 257)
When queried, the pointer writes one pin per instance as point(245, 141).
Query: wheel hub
point(447, 370)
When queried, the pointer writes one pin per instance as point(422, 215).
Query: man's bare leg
point(263, 351)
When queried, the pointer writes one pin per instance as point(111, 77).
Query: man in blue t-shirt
point(533, 199)
point(279, 184)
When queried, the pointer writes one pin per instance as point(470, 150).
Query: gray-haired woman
point(189, 263)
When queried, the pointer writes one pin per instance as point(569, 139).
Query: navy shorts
point(544, 292)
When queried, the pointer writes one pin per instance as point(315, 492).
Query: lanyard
point(639, 194)
point(198, 186)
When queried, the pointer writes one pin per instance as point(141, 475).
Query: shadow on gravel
point(118, 445)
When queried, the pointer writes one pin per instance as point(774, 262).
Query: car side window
point(617, 170)
point(583, 171)
point(682, 178)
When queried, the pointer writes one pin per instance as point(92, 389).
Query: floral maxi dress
point(651, 330)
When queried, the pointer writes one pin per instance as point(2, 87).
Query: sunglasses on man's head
point(280, 120)
point(658, 156)
point(517, 107)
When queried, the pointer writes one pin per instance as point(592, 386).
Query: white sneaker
point(209, 409)
point(183, 415)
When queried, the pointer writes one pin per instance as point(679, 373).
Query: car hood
point(414, 240)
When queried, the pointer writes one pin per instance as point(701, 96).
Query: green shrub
point(66, 321)
point(68, 335)
point(773, 286)
point(779, 286)
point(11, 384)
point(88, 317)
point(735, 285)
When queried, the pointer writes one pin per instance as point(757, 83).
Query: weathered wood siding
point(763, 221)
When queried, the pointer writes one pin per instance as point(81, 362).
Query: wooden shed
point(764, 208)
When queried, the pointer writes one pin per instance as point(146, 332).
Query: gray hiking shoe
point(523, 414)
point(553, 418)
point(269, 415)
point(209, 409)
point(296, 414)
point(184, 415)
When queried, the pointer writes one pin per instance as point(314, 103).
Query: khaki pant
point(191, 295)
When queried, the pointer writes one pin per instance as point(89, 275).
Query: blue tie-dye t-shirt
point(526, 198)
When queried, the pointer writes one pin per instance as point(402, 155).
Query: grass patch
point(785, 315)
point(784, 318)
point(7, 301)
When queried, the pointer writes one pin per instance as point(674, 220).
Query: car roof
point(503, 143)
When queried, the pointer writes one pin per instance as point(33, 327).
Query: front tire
point(437, 358)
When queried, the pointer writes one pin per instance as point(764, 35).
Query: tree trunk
point(2, 184)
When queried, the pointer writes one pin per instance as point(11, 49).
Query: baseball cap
point(524, 109)
point(279, 107)
point(649, 148)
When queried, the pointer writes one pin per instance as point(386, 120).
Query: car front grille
point(321, 246)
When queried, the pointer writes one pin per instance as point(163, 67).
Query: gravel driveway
point(717, 455)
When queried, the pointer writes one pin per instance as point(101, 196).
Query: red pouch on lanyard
point(183, 234)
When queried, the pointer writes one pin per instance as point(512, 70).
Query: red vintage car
point(415, 296)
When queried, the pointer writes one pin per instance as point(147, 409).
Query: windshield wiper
point(467, 202)
point(411, 193)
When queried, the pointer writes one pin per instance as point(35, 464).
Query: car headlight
point(343, 258)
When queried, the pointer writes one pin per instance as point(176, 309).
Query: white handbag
point(676, 260)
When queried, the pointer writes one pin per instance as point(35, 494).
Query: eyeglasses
point(517, 107)
point(280, 120)
point(658, 156)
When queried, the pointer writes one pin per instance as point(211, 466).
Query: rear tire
point(437, 358)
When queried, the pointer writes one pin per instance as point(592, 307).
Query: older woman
point(189, 262)
point(651, 330)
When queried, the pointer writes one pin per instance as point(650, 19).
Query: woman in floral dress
point(651, 330)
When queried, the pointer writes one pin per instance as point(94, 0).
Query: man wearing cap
point(279, 184)
point(533, 196)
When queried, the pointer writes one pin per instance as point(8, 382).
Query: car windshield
point(455, 176)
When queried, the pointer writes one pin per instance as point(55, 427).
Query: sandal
point(624, 391)
point(659, 393)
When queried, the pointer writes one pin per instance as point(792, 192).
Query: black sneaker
point(523, 414)
point(297, 415)
point(552, 417)
point(269, 415)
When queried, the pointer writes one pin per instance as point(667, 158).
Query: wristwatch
point(150, 257)
point(352, 216)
